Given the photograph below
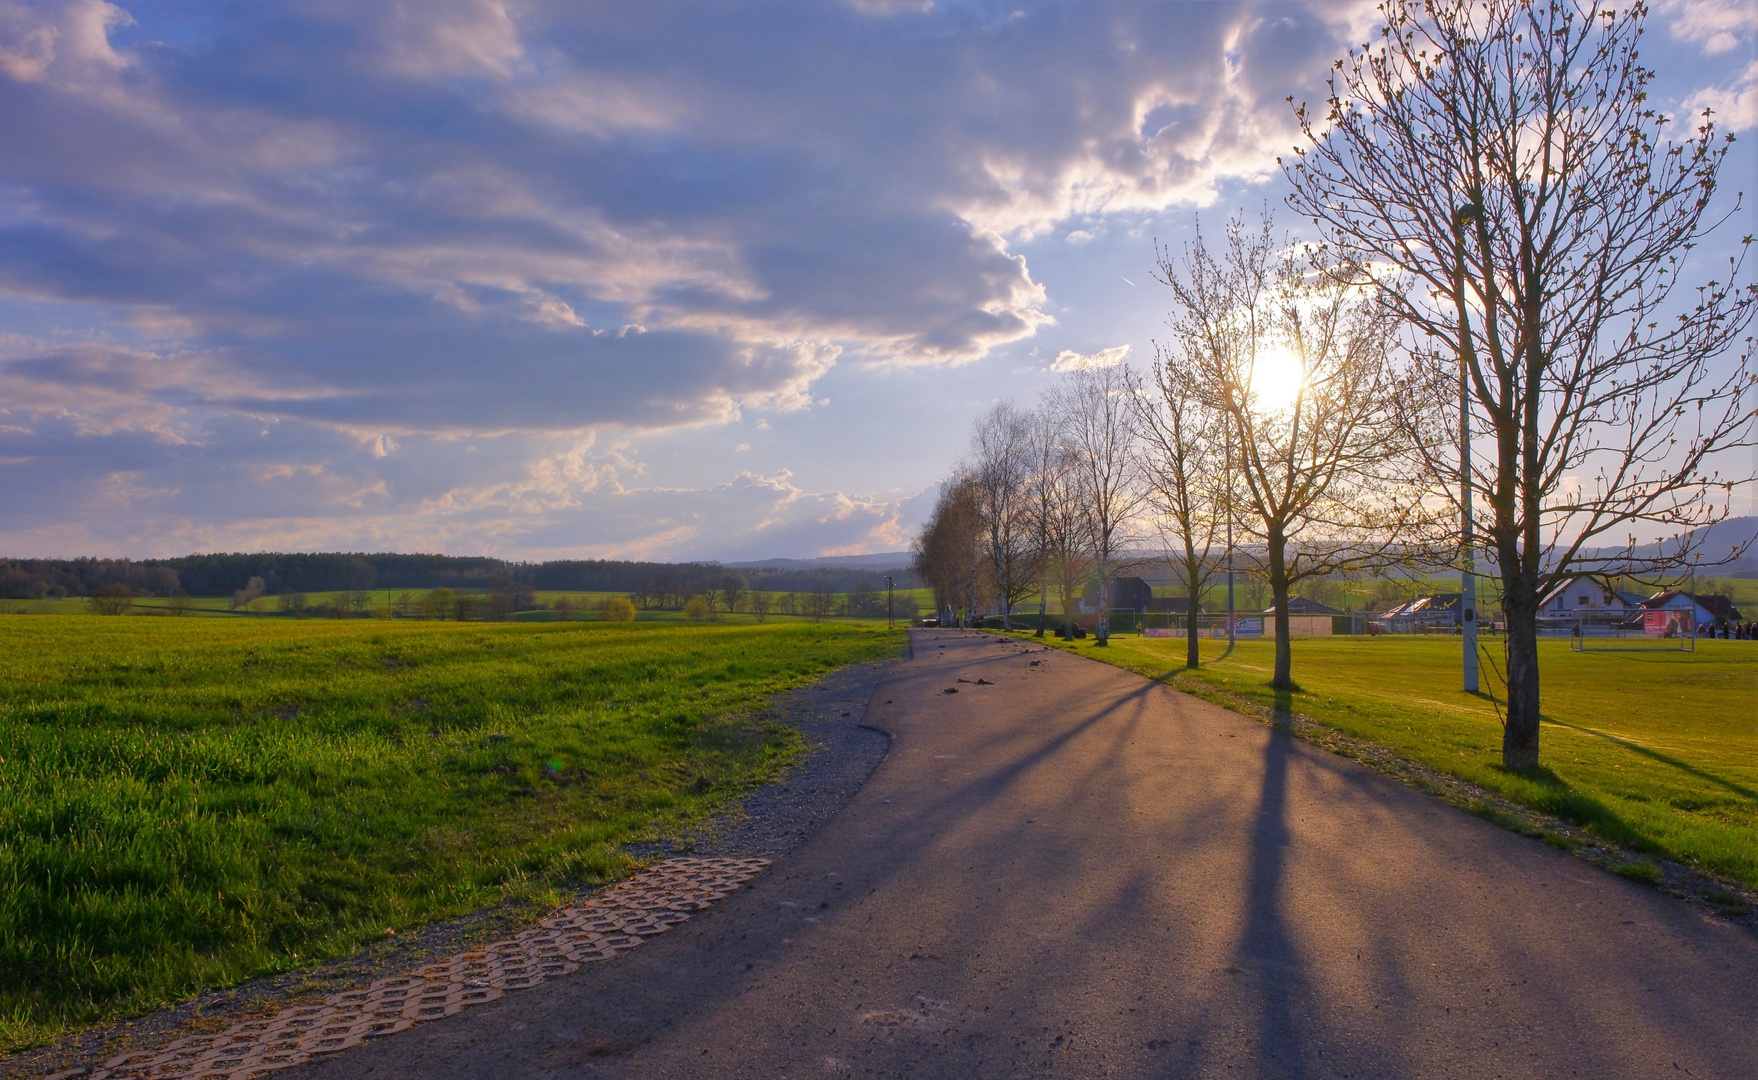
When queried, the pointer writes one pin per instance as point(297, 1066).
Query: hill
point(884, 560)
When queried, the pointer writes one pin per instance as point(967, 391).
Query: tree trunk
point(1102, 624)
point(1283, 679)
point(1520, 736)
point(1043, 607)
point(1192, 647)
point(1004, 583)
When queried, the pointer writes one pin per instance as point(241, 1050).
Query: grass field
point(190, 802)
point(1653, 751)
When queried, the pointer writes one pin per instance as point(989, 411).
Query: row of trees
point(1487, 356)
point(862, 602)
point(663, 585)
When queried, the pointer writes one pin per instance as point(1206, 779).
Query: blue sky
point(660, 280)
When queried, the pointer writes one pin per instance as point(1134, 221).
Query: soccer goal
point(1647, 631)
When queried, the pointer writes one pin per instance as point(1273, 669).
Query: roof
point(1433, 604)
point(1562, 585)
point(1300, 605)
point(1668, 598)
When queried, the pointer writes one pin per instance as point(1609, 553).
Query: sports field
point(1654, 751)
point(190, 802)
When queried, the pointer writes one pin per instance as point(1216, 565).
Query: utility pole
point(890, 617)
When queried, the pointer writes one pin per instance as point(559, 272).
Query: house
point(1579, 596)
point(1435, 611)
point(1126, 593)
point(1721, 606)
point(1306, 618)
point(1667, 612)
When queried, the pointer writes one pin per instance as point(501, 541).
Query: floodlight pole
point(1467, 572)
point(1227, 441)
point(1468, 566)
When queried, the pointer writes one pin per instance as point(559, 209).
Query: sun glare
point(1275, 379)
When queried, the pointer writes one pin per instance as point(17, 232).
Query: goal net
point(1644, 631)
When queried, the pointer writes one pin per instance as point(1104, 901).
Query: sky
point(630, 280)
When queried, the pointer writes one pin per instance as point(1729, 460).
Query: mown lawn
point(191, 802)
point(1653, 751)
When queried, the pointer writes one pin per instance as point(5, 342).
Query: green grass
point(1656, 752)
point(191, 802)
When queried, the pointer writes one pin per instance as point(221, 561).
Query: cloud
point(1735, 107)
point(574, 168)
point(292, 485)
point(1069, 360)
point(279, 263)
point(1716, 25)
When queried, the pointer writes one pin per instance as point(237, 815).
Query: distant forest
point(221, 575)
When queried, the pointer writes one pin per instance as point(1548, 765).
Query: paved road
point(1064, 869)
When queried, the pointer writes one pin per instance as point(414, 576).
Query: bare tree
point(1294, 364)
point(733, 589)
point(948, 552)
point(242, 598)
point(1097, 423)
point(760, 602)
point(111, 600)
point(1504, 157)
point(821, 601)
point(1000, 474)
point(1184, 467)
point(1055, 518)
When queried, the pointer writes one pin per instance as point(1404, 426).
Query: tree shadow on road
point(1267, 953)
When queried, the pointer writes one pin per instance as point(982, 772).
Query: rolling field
point(1654, 751)
point(190, 802)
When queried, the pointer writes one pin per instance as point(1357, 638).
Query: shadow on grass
point(1638, 748)
point(1284, 704)
point(1542, 789)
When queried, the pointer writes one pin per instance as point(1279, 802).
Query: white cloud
point(1735, 107)
point(1069, 360)
point(1716, 25)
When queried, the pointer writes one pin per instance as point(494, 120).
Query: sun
point(1275, 380)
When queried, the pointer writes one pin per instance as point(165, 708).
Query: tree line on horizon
point(651, 583)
